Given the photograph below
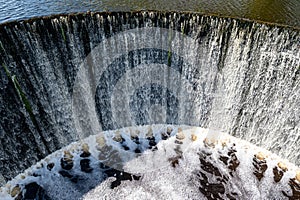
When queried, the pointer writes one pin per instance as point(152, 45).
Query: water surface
point(277, 11)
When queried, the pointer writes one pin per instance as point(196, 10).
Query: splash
point(158, 161)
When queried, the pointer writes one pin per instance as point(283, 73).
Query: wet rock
point(193, 137)
point(33, 191)
point(209, 143)
point(118, 137)
point(175, 160)
point(260, 156)
point(169, 130)
point(50, 166)
point(224, 159)
point(295, 186)
point(208, 166)
point(178, 142)
point(298, 176)
point(180, 135)
point(85, 165)
point(103, 166)
point(125, 147)
point(149, 133)
point(137, 150)
point(211, 190)
point(164, 136)
point(278, 174)
point(66, 174)
point(15, 191)
point(279, 171)
point(154, 148)
point(35, 174)
point(122, 141)
point(120, 176)
point(67, 161)
point(230, 197)
point(231, 160)
point(151, 141)
point(101, 142)
point(85, 154)
point(85, 151)
point(260, 166)
point(135, 139)
point(282, 166)
point(19, 197)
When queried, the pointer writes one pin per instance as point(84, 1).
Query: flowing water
point(64, 78)
point(157, 162)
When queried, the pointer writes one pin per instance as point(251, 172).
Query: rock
point(85, 154)
point(85, 151)
point(118, 137)
point(50, 166)
point(65, 174)
point(164, 136)
point(85, 166)
point(15, 191)
point(135, 139)
point(67, 161)
point(224, 144)
point(294, 184)
point(209, 143)
point(174, 160)
point(101, 142)
point(125, 147)
point(298, 176)
point(260, 165)
point(151, 141)
point(169, 130)
point(194, 137)
point(180, 135)
point(178, 142)
point(282, 166)
point(34, 191)
point(278, 174)
point(137, 150)
point(149, 133)
point(260, 156)
point(120, 176)
point(134, 134)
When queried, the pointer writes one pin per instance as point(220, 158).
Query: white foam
point(159, 179)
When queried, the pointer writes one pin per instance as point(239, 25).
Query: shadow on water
point(269, 10)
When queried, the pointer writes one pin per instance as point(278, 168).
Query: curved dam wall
point(243, 78)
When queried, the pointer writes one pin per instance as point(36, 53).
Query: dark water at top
point(278, 11)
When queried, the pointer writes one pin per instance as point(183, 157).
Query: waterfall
point(243, 77)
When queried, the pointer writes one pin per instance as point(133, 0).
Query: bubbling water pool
point(158, 162)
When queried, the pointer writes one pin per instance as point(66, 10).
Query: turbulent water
point(240, 77)
point(157, 162)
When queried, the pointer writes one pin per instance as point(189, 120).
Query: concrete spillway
point(237, 76)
